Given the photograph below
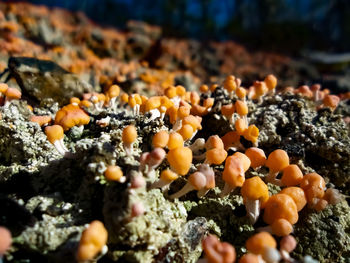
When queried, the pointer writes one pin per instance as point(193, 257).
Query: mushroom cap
point(255, 189)
point(270, 81)
point(331, 101)
point(233, 173)
point(3, 88)
point(241, 126)
point(175, 141)
point(197, 180)
point(54, 133)
point(170, 92)
point(194, 121)
point(129, 134)
point(5, 240)
point(292, 175)
point(277, 160)
point(153, 103)
point(230, 139)
point(257, 157)
point(228, 110)
point(180, 159)
point(216, 156)
point(160, 139)
point(218, 252)
point(113, 173)
point(251, 133)
point(70, 116)
point(297, 194)
point(313, 185)
point(92, 241)
point(168, 175)
point(186, 131)
point(249, 258)
point(241, 92)
point(244, 159)
point(258, 242)
point(41, 120)
point(113, 91)
point(281, 227)
point(288, 243)
point(241, 107)
point(280, 206)
point(214, 141)
point(12, 93)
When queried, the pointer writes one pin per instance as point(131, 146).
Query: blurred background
point(283, 25)
point(198, 41)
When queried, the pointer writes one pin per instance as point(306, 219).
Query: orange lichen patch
point(292, 175)
point(230, 139)
point(280, 206)
point(271, 82)
point(180, 159)
point(70, 116)
point(92, 240)
point(281, 227)
point(113, 173)
point(277, 160)
point(129, 134)
point(175, 141)
point(241, 126)
point(297, 194)
point(249, 258)
point(255, 189)
point(186, 131)
point(331, 101)
point(5, 240)
point(251, 133)
point(218, 252)
point(194, 121)
point(244, 159)
point(214, 141)
point(228, 110)
point(241, 108)
point(215, 156)
point(313, 185)
point(257, 157)
point(54, 133)
point(259, 242)
point(41, 120)
point(160, 139)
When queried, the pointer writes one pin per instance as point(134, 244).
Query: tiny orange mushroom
point(55, 136)
point(41, 120)
point(292, 175)
point(276, 162)
point(70, 116)
point(218, 252)
point(257, 157)
point(129, 136)
point(314, 186)
point(180, 159)
point(280, 206)
point(175, 141)
point(259, 242)
point(114, 173)
point(297, 194)
point(196, 181)
point(160, 139)
point(255, 194)
point(233, 174)
point(92, 241)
